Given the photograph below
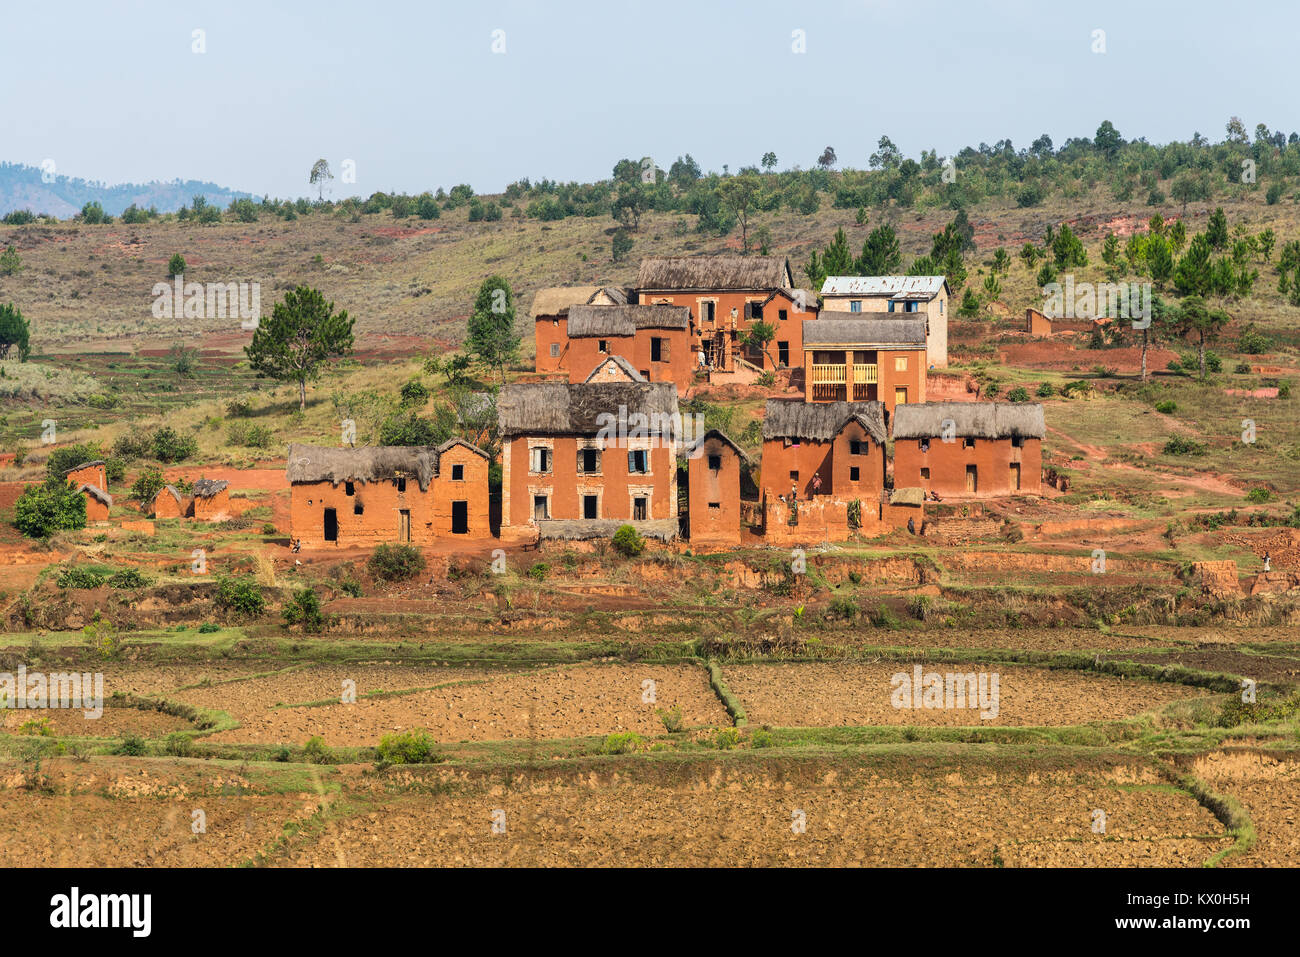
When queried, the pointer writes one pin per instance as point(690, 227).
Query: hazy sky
point(414, 94)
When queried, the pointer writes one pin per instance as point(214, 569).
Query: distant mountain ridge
point(22, 187)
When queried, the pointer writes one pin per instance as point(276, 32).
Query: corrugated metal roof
point(864, 332)
point(895, 287)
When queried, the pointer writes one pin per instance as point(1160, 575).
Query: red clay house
point(581, 459)
point(98, 502)
point(713, 483)
point(211, 500)
point(726, 295)
point(550, 314)
point(362, 497)
point(655, 340)
point(967, 449)
point(864, 360)
point(169, 503)
point(829, 458)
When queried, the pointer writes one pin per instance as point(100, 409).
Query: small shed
point(211, 500)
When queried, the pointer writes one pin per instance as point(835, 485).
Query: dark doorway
point(589, 506)
point(404, 525)
point(460, 518)
point(331, 525)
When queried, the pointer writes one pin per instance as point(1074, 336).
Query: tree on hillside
point(11, 264)
point(827, 159)
point(740, 194)
point(1195, 318)
point(302, 334)
point(1108, 140)
point(320, 177)
point(55, 505)
point(1192, 275)
point(1216, 230)
point(15, 333)
point(880, 253)
point(490, 332)
point(769, 161)
point(1160, 261)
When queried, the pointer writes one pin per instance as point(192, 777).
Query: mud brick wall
point(212, 509)
point(709, 487)
point(1217, 579)
point(957, 531)
point(947, 463)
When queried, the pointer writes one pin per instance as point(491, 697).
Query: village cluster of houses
point(209, 502)
point(595, 443)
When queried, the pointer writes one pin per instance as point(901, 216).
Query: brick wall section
point(565, 487)
point(471, 488)
point(214, 509)
point(947, 462)
point(707, 486)
point(96, 511)
point(832, 461)
point(958, 531)
point(94, 475)
point(548, 331)
point(822, 519)
point(165, 505)
point(678, 368)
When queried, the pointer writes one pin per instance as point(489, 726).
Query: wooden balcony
point(831, 383)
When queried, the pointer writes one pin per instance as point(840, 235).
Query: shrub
point(1166, 406)
point(628, 541)
point(414, 392)
point(50, 507)
point(624, 742)
point(1181, 445)
point(132, 745)
point(304, 610)
point(147, 485)
point(726, 738)
point(845, 608)
point(1018, 394)
point(178, 744)
point(1242, 368)
point(1252, 342)
point(316, 751)
point(760, 738)
point(672, 718)
point(407, 747)
point(242, 595)
point(81, 577)
point(208, 628)
point(170, 446)
point(176, 265)
point(539, 571)
point(395, 562)
point(1045, 390)
point(1259, 495)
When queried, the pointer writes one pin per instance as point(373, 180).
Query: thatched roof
point(720, 436)
point(980, 420)
point(898, 288)
point(661, 528)
point(207, 488)
point(821, 421)
point(588, 321)
point(907, 496)
point(553, 300)
point(312, 463)
point(602, 372)
point(825, 332)
point(715, 273)
point(84, 465)
point(617, 295)
point(559, 408)
point(458, 441)
point(97, 493)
